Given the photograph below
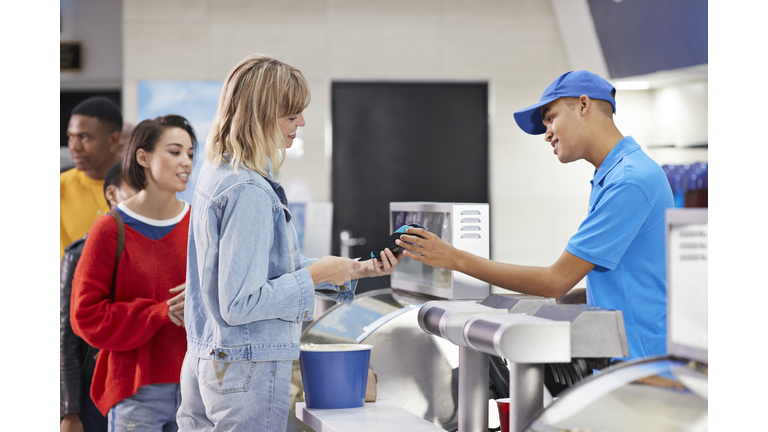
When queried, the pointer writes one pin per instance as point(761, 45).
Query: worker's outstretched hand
point(430, 249)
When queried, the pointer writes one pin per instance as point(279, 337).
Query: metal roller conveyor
point(553, 334)
point(447, 319)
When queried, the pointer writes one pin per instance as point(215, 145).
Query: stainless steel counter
point(379, 416)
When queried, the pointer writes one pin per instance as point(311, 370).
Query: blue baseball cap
point(570, 84)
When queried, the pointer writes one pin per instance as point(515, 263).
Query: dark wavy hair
point(145, 136)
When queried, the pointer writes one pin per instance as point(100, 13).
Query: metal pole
point(347, 241)
point(344, 237)
point(526, 394)
point(473, 390)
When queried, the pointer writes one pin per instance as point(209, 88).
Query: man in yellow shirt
point(94, 134)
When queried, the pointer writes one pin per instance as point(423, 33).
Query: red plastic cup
point(503, 405)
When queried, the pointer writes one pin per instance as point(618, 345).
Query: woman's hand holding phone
point(334, 270)
point(383, 266)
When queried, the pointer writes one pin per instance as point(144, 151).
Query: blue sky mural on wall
point(195, 100)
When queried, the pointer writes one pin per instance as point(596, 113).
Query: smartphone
point(390, 241)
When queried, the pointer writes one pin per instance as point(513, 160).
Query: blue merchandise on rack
point(675, 177)
point(696, 185)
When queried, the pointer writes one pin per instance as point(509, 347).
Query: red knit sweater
point(139, 343)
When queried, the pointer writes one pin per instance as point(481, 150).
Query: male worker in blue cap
point(619, 247)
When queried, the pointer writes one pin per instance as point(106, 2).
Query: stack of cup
point(696, 185)
point(503, 413)
point(689, 184)
point(675, 176)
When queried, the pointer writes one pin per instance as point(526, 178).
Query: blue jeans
point(92, 419)
point(237, 396)
point(152, 409)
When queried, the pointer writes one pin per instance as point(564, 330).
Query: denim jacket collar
point(278, 190)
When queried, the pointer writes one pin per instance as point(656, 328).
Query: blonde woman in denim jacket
point(248, 287)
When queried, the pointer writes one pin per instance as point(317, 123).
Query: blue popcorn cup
point(335, 375)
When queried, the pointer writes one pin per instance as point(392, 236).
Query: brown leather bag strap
point(120, 247)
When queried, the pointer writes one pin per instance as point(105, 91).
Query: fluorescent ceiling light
point(633, 85)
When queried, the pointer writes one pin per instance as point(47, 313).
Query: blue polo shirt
point(623, 235)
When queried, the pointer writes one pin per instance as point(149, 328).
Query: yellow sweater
point(82, 201)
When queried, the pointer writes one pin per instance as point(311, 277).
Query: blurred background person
point(65, 159)
point(139, 326)
point(93, 138)
point(77, 359)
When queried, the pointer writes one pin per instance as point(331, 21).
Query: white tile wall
point(378, 49)
point(536, 202)
point(275, 12)
point(230, 42)
point(160, 49)
point(392, 11)
point(164, 11)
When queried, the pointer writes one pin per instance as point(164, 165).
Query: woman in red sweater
point(139, 326)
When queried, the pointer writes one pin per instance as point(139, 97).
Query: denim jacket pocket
point(226, 377)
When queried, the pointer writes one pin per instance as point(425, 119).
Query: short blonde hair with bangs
point(257, 92)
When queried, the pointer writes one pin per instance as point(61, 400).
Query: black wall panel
point(404, 141)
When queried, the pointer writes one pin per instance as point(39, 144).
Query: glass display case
point(465, 226)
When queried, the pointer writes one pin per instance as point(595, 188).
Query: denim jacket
point(248, 287)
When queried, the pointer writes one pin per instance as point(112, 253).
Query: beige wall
point(97, 26)
point(536, 203)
